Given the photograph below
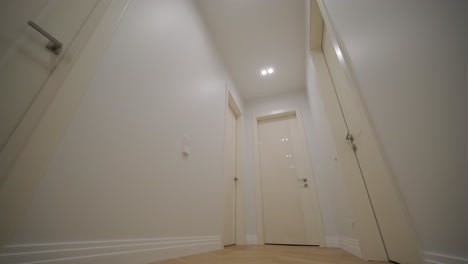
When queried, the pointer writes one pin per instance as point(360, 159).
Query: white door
point(366, 224)
point(287, 201)
point(395, 229)
point(230, 142)
point(25, 63)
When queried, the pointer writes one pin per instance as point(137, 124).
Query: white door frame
point(318, 17)
point(308, 169)
point(240, 219)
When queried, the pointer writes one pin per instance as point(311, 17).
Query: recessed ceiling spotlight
point(267, 71)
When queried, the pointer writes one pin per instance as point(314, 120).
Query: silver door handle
point(54, 45)
point(302, 180)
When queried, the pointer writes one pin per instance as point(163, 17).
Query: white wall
point(266, 105)
point(407, 57)
point(118, 173)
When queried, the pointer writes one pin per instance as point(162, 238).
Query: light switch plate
point(186, 151)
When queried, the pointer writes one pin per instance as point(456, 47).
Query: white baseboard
point(137, 251)
point(351, 245)
point(251, 239)
point(434, 258)
point(333, 241)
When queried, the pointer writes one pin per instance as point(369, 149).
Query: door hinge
point(236, 179)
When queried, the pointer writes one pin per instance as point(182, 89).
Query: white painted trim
point(258, 181)
point(435, 258)
point(252, 240)
point(113, 251)
point(351, 245)
point(258, 184)
point(333, 241)
point(19, 184)
point(240, 218)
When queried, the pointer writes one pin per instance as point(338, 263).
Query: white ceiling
point(255, 34)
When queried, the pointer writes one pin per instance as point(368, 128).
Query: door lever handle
point(350, 137)
point(302, 180)
point(54, 45)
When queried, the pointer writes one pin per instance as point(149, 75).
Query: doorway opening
point(287, 204)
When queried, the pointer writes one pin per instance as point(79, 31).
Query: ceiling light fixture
point(267, 71)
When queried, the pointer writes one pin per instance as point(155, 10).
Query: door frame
point(319, 18)
point(308, 169)
point(240, 219)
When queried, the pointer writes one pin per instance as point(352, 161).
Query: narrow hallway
point(233, 131)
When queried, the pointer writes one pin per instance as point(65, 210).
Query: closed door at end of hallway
point(286, 193)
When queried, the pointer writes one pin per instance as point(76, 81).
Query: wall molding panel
point(132, 251)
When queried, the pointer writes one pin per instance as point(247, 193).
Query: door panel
point(230, 143)
point(395, 228)
point(366, 224)
point(287, 208)
point(25, 63)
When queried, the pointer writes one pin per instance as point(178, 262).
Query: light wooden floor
point(270, 254)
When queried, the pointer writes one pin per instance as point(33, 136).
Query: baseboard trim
point(435, 258)
point(135, 251)
point(251, 240)
point(351, 245)
point(333, 241)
